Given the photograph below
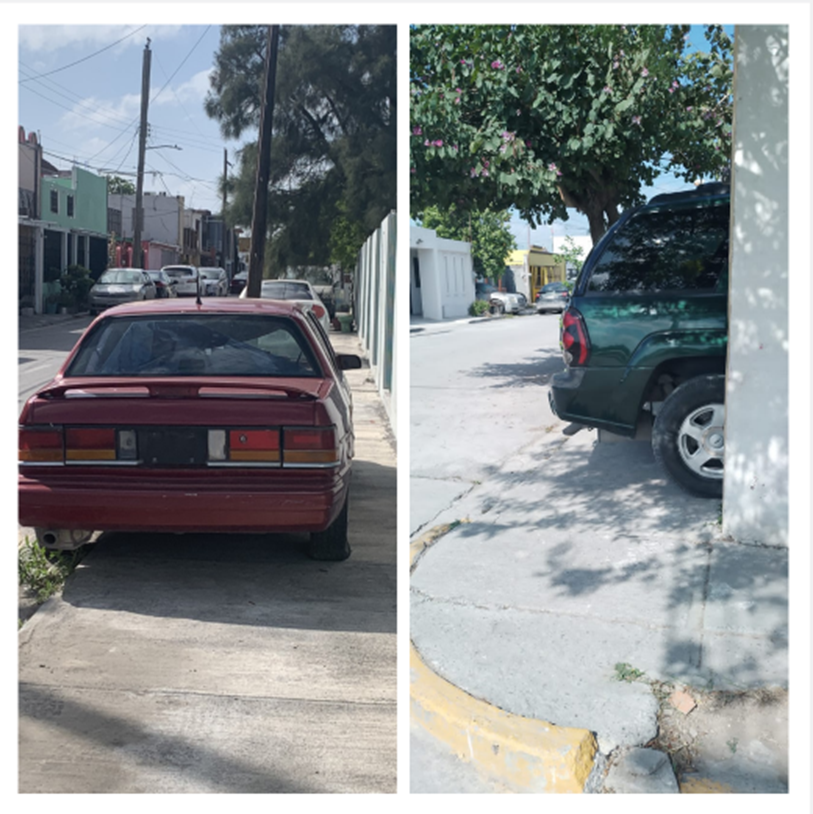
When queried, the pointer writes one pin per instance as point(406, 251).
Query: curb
point(525, 754)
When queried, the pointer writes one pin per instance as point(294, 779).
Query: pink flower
point(412, 171)
point(644, 73)
point(636, 120)
point(457, 100)
point(607, 89)
point(437, 143)
point(485, 163)
point(427, 143)
point(497, 64)
point(615, 65)
point(474, 172)
point(552, 167)
point(416, 131)
point(527, 142)
point(485, 173)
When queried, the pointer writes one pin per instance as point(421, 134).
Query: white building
point(441, 275)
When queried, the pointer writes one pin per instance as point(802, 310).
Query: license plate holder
point(174, 446)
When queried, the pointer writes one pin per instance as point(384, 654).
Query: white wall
point(447, 278)
point(163, 216)
point(755, 500)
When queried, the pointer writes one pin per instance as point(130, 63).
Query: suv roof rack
point(701, 191)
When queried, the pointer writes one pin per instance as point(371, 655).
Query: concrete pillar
point(755, 499)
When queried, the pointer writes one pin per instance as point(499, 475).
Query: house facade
point(441, 275)
point(62, 221)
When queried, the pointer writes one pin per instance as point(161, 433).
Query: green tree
point(571, 255)
point(116, 185)
point(333, 143)
point(544, 118)
point(487, 231)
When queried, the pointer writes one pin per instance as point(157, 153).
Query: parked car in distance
point(500, 302)
point(213, 282)
point(646, 330)
point(119, 285)
point(164, 284)
point(174, 416)
point(552, 298)
point(299, 291)
point(186, 279)
point(238, 282)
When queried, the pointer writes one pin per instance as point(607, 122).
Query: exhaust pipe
point(63, 539)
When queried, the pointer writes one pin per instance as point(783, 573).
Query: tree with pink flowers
point(547, 118)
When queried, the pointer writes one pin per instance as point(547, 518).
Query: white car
point(213, 282)
point(187, 277)
point(299, 291)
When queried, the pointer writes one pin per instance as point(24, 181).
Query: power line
point(84, 59)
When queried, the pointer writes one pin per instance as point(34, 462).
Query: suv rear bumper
point(575, 389)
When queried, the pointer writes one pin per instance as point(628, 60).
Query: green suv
point(645, 333)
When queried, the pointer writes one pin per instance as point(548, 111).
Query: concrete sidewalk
point(550, 604)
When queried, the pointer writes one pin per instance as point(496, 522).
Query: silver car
point(187, 278)
point(213, 282)
point(299, 291)
point(119, 285)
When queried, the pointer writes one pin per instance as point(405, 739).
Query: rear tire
point(688, 435)
point(496, 308)
point(331, 544)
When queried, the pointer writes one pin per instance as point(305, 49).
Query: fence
point(375, 311)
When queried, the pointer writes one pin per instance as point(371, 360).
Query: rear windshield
point(273, 290)
point(179, 271)
point(666, 250)
point(195, 345)
point(120, 276)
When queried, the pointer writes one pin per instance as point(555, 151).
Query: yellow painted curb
point(524, 754)
point(696, 785)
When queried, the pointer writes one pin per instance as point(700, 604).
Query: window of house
point(55, 201)
point(70, 206)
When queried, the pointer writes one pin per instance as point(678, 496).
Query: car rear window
point(195, 345)
point(665, 250)
point(121, 276)
point(274, 290)
point(179, 271)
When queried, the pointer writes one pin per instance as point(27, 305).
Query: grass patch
point(44, 572)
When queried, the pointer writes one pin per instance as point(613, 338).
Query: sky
point(80, 91)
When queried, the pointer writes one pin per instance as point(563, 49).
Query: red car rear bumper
point(189, 501)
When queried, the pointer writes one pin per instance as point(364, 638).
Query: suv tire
point(496, 307)
point(688, 435)
point(331, 544)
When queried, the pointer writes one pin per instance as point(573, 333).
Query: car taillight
point(307, 446)
point(318, 311)
point(90, 444)
point(575, 342)
point(40, 445)
point(254, 446)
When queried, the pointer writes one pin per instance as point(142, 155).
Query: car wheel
point(688, 437)
point(496, 308)
point(331, 544)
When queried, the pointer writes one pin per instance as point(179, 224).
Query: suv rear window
point(195, 345)
point(665, 250)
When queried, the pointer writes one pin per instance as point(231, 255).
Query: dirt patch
point(725, 741)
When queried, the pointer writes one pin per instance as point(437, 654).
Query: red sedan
point(225, 416)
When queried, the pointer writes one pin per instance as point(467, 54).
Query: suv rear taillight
point(575, 342)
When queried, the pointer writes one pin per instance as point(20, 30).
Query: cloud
point(55, 38)
point(91, 113)
point(193, 90)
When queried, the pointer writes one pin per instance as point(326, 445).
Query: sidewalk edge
point(524, 754)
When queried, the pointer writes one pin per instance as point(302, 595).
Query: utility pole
point(223, 207)
point(259, 219)
point(138, 260)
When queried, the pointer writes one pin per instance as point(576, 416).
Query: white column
point(755, 499)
